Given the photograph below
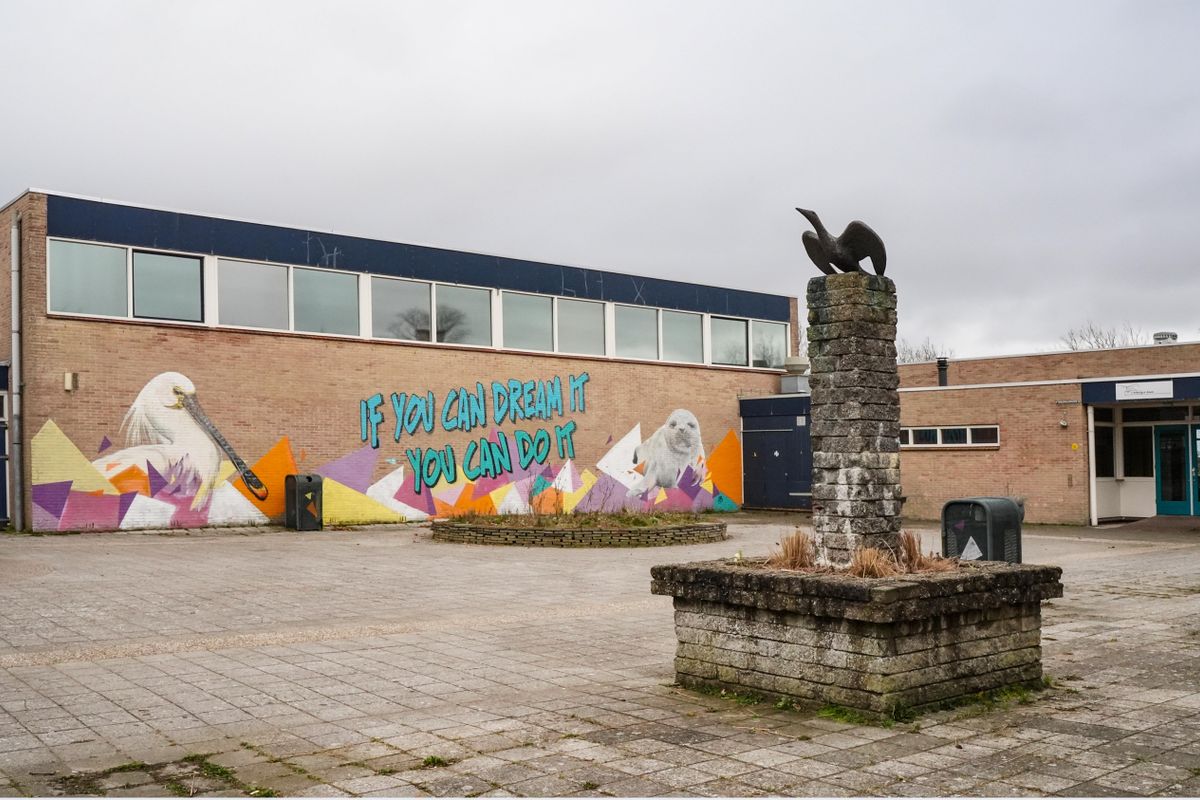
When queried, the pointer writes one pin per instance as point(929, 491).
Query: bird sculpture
point(844, 252)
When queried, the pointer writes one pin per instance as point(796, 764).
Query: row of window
point(956, 436)
point(110, 281)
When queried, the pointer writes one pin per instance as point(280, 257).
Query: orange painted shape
point(725, 467)
point(548, 501)
point(271, 469)
point(132, 479)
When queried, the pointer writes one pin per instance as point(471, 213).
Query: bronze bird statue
point(844, 252)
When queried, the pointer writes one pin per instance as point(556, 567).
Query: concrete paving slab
point(333, 663)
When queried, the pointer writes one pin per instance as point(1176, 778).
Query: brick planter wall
point(876, 645)
point(466, 533)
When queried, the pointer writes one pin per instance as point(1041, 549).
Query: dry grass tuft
point(796, 551)
point(913, 560)
point(870, 562)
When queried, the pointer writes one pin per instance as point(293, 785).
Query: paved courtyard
point(381, 662)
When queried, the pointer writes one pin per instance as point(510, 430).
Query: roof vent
point(1166, 337)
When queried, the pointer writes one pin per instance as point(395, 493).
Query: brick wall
point(1037, 458)
point(1120, 362)
point(257, 387)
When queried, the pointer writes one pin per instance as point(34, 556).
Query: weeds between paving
point(973, 704)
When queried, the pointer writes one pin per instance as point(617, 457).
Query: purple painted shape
point(609, 495)
point(105, 443)
point(354, 470)
point(157, 481)
point(126, 502)
point(96, 511)
point(610, 439)
point(52, 497)
point(702, 501)
point(689, 482)
point(43, 520)
point(676, 500)
point(406, 495)
point(450, 494)
point(523, 487)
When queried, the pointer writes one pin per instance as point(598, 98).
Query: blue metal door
point(769, 460)
point(1174, 472)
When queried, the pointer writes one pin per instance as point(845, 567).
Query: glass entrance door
point(1174, 470)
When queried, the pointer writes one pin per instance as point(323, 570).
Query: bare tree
point(1093, 336)
point(909, 353)
point(413, 324)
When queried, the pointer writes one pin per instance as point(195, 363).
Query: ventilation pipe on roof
point(943, 371)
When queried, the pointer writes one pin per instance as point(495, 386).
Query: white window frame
point(369, 300)
point(604, 322)
point(210, 304)
point(968, 445)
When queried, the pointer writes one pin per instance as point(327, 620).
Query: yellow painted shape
point(571, 499)
point(662, 495)
point(344, 506)
point(223, 472)
point(498, 495)
point(707, 485)
point(56, 459)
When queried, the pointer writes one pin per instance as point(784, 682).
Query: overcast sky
point(1030, 166)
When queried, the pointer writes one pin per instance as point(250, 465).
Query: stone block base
point(878, 646)
point(469, 533)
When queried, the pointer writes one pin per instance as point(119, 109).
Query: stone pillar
point(855, 413)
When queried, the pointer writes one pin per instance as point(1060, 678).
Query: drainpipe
point(943, 365)
point(16, 456)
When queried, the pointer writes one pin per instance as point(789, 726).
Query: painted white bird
point(166, 428)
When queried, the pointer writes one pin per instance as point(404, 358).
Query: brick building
point(169, 368)
point(1083, 436)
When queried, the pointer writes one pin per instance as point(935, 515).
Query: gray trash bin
point(302, 503)
point(983, 528)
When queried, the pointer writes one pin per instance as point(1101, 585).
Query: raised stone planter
point(468, 533)
point(876, 645)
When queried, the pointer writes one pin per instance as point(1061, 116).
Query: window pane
point(1103, 414)
point(954, 435)
point(904, 436)
point(167, 287)
point(580, 327)
point(637, 332)
point(87, 279)
point(683, 336)
point(254, 295)
point(985, 435)
point(528, 321)
point(1138, 449)
point(770, 344)
point(464, 316)
point(1104, 452)
point(326, 302)
point(729, 341)
point(1143, 414)
point(925, 436)
point(400, 310)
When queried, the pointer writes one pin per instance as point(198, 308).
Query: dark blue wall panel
point(781, 406)
point(1106, 391)
point(142, 227)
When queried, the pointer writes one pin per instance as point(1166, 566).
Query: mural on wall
point(177, 469)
